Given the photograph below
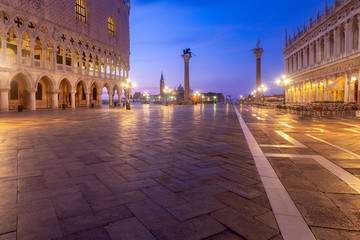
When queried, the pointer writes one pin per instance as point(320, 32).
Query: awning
point(335, 86)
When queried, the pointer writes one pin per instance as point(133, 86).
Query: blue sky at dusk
point(220, 34)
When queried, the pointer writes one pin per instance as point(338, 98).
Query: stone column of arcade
point(4, 99)
point(73, 99)
point(258, 51)
point(186, 56)
point(55, 100)
point(33, 99)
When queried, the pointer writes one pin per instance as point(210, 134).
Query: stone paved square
point(156, 172)
point(176, 172)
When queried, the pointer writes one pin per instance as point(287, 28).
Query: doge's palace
point(63, 52)
point(322, 59)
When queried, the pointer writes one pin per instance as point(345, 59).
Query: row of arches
point(59, 56)
point(45, 94)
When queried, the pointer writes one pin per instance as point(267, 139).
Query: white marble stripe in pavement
point(292, 225)
point(348, 124)
point(333, 145)
point(296, 144)
point(344, 175)
point(286, 125)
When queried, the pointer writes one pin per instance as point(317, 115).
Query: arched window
point(39, 92)
point(14, 91)
point(111, 26)
point(80, 10)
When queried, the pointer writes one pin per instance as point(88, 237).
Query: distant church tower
point(162, 84)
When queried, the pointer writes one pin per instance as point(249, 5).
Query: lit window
point(111, 26)
point(80, 10)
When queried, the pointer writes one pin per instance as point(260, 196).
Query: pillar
point(73, 99)
point(44, 49)
point(351, 35)
point(311, 52)
point(87, 99)
point(53, 54)
point(4, 100)
point(32, 51)
point(3, 44)
point(327, 46)
point(99, 100)
point(358, 25)
point(54, 100)
point(258, 53)
point(111, 100)
point(187, 78)
point(337, 41)
point(346, 27)
point(33, 99)
point(318, 50)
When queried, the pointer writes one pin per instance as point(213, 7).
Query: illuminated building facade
point(62, 53)
point(322, 60)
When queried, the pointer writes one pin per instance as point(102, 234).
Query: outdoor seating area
point(320, 109)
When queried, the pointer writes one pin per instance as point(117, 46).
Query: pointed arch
point(25, 47)
point(48, 78)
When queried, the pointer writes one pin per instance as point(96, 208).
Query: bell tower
point(162, 84)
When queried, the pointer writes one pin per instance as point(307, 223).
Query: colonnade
point(342, 87)
point(338, 41)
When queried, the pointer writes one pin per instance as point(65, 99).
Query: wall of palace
point(62, 52)
point(323, 60)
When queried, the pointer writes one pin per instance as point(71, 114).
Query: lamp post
point(127, 88)
point(240, 99)
point(167, 91)
point(283, 82)
point(146, 95)
point(215, 99)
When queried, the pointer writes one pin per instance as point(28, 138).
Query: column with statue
point(258, 51)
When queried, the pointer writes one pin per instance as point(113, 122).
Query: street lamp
point(127, 88)
point(197, 97)
point(215, 99)
point(146, 95)
point(167, 91)
point(283, 82)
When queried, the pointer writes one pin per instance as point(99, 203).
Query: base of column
point(357, 114)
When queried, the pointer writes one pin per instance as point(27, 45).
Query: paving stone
point(334, 234)
point(311, 198)
point(72, 205)
point(32, 184)
point(163, 196)
point(8, 236)
point(227, 235)
point(94, 189)
point(152, 215)
point(244, 225)
point(144, 175)
point(41, 224)
point(241, 204)
point(196, 228)
point(201, 192)
point(325, 217)
point(346, 201)
point(133, 186)
point(93, 220)
point(173, 183)
point(94, 234)
point(129, 229)
point(7, 223)
point(196, 208)
point(115, 200)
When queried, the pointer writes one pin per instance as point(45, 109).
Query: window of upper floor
point(111, 26)
point(80, 10)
